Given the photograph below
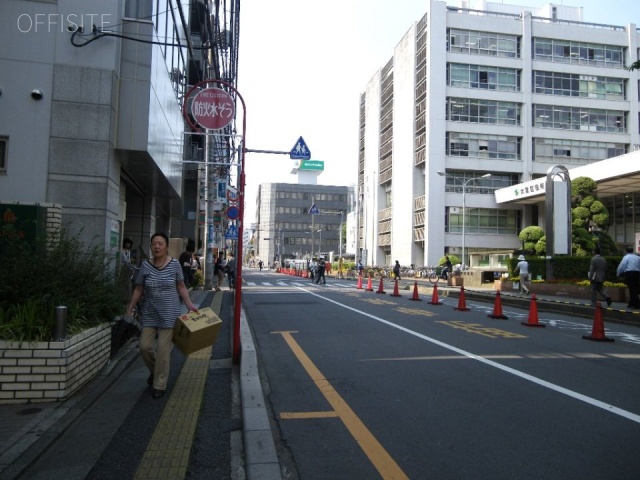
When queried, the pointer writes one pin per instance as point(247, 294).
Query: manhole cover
point(29, 411)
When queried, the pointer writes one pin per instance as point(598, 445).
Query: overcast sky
point(303, 65)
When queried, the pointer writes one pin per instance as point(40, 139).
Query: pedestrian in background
point(629, 269)
point(185, 262)
point(597, 275)
point(218, 272)
point(396, 270)
point(161, 281)
point(523, 269)
point(320, 271)
point(231, 271)
point(340, 267)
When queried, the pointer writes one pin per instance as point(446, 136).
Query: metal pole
point(463, 221)
point(340, 239)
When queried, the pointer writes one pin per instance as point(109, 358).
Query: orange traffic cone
point(462, 304)
point(434, 296)
point(497, 308)
point(381, 287)
point(415, 292)
point(532, 321)
point(597, 332)
point(369, 285)
point(395, 293)
point(359, 286)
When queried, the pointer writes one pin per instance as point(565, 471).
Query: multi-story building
point(91, 109)
point(503, 90)
point(288, 227)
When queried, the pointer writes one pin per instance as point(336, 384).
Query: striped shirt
point(161, 302)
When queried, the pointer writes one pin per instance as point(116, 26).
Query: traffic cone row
point(597, 331)
point(369, 285)
point(462, 304)
point(434, 296)
point(415, 293)
point(497, 308)
point(395, 293)
point(381, 287)
point(532, 321)
point(359, 286)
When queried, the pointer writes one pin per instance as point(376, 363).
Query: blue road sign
point(300, 151)
point(314, 210)
point(231, 233)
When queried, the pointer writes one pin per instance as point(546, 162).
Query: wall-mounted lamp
point(37, 94)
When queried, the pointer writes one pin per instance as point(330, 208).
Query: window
point(483, 146)
point(3, 155)
point(482, 220)
point(488, 78)
point(565, 51)
point(576, 152)
point(483, 43)
point(474, 110)
point(576, 118)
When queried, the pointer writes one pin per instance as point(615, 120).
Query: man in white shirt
point(629, 269)
point(523, 269)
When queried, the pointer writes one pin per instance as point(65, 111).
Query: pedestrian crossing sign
point(314, 210)
point(300, 151)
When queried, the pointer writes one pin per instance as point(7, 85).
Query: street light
point(464, 187)
point(320, 241)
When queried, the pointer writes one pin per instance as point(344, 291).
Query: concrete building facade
point(91, 118)
point(285, 228)
point(503, 90)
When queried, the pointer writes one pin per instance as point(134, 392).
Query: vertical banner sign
point(222, 190)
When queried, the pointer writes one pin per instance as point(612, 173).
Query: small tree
point(589, 219)
point(530, 236)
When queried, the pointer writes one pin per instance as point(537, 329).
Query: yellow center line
point(381, 460)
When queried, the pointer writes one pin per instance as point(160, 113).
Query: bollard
point(60, 327)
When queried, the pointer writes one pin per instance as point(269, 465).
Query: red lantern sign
point(213, 108)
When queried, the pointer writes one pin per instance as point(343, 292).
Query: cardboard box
point(196, 330)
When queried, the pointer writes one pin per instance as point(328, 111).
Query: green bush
point(35, 278)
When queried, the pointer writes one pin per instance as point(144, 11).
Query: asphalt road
point(364, 385)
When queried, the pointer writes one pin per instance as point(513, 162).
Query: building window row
point(485, 186)
point(324, 197)
point(580, 53)
point(302, 227)
point(575, 151)
point(479, 76)
point(483, 146)
point(475, 110)
point(577, 118)
point(483, 43)
point(572, 85)
point(326, 242)
point(483, 220)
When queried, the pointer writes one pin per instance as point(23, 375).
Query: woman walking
point(161, 281)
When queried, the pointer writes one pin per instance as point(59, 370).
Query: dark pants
point(320, 276)
point(632, 279)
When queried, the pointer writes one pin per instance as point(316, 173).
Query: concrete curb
point(261, 458)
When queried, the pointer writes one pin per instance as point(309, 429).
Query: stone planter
point(52, 371)
point(455, 281)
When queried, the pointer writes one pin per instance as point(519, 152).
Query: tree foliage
point(589, 221)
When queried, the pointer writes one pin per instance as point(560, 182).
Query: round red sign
point(213, 108)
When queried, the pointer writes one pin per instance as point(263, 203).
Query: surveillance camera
point(37, 94)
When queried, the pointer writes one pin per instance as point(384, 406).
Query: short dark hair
point(629, 249)
point(160, 234)
point(596, 250)
point(127, 241)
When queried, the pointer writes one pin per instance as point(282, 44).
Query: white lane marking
point(543, 383)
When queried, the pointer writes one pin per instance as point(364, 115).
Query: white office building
point(503, 90)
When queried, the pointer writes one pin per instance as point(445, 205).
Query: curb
point(261, 458)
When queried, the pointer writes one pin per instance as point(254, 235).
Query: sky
point(302, 66)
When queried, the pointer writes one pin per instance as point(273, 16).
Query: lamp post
point(319, 241)
point(464, 188)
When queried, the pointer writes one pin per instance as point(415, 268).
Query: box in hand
point(196, 330)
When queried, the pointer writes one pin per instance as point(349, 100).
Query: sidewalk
point(28, 430)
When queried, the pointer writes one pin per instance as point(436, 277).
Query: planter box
point(618, 294)
point(52, 371)
point(455, 281)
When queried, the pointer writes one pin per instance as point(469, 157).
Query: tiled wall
point(51, 371)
